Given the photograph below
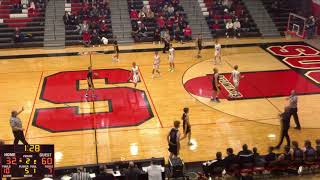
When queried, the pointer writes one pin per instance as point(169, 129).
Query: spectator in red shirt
point(215, 25)
point(170, 23)
point(187, 32)
point(104, 29)
point(86, 38)
point(134, 14)
point(160, 22)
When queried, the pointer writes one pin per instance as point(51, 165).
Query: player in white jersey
point(217, 52)
point(135, 74)
point(236, 76)
point(171, 58)
point(156, 64)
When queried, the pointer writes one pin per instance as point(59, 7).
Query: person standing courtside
point(186, 125)
point(173, 139)
point(215, 85)
point(17, 130)
point(293, 108)
point(285, 125)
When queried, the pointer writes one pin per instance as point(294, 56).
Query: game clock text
point(32, 160)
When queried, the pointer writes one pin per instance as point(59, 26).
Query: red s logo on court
point(303, 75)
point(125, 106)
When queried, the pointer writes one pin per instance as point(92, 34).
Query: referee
point(16, 126)
point(293, 108)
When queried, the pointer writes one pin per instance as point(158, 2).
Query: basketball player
point(215, 85)
point(116, 51)
point(171, 58)
point(173, 139)
point(199, 45)
point(90, 81)
point(217, 52)
point(235, 75)
point(135, 74)
point(156, 64)
point(186, 125)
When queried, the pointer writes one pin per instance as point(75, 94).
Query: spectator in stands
point(156, 36)
point(142, 15)
point(161, 22)
point(154, 171)
point(231, 161)
point(245, 156)
point(178, 34)
point(32, 9)
point(134, 14)
point(66, 18)
point(226, 16)
point(257, 158)
point(297, 154)
point(309, 152)
point(229, 28)
point(84, 27)
point(18, 36)
point(81, 174)
point(74, 19)
point(86, 39)
point(318, 148)
point(310, 27)
point(215, 25)
point(104, 174)
point(166, 41)
point(132, 173)
point(287, 153)
point(236, 28)
point(16, 5)
point(95, 39)
point(245, 25)
point(103, 29)
point(170, 10)
point(187, 32)
point(150, 15)
point(217, 166)
point(271, 157)
point(142, 31)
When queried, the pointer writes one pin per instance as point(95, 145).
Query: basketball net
point(296, 26)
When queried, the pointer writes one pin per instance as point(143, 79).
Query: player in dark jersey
point(199, 45)
point(215, 85)
point(186, 125)
point(173, 139)
point(116, 51)
point(90, 75)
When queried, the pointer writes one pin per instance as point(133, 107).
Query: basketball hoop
point(296, 26)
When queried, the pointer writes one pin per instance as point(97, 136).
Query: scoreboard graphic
point(34, 161)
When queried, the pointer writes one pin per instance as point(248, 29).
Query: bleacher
point(151, 23)
point(278, 13)
point(30, 22)
point(217, 15)
point(82, 13)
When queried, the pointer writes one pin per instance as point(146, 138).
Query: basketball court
point(122, 123)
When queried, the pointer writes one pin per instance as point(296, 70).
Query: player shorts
point(236, 83)
point(156, 67)
point(217, 53)
point(188, 130)
point(171, 59)
point(215, 88)
point(90, 84)
point(173, 149)
point(136, 79)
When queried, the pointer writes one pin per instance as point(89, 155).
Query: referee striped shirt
point(15, 122)
point(293, 101)
point(81, 176)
